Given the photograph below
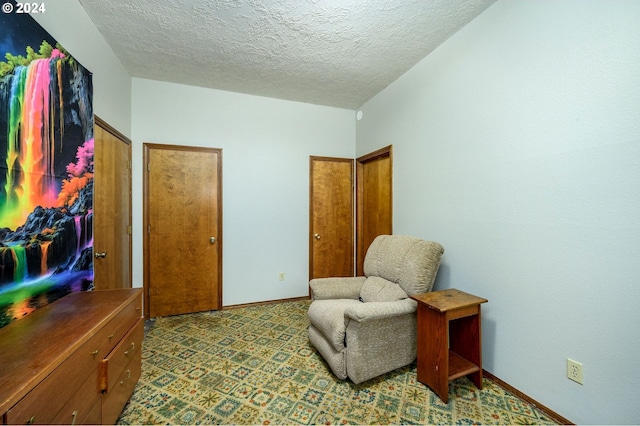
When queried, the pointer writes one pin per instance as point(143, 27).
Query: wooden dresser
point(73, 361)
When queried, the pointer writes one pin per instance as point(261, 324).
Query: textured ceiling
point(329, 52)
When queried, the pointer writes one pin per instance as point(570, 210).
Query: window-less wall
point(266, 144)
point(517, 146)
point(266, 147)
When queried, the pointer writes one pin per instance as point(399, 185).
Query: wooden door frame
point(147, 146)
point(114, 132)
point(360, 162)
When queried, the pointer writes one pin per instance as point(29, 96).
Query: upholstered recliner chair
point(366, 326)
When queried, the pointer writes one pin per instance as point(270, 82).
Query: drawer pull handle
point(94, 353)
point(133, 346)
point(127, 379)
point(31, 420)
point(110, 337)
point(74, 415)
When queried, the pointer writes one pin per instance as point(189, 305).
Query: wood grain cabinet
point(74, 361)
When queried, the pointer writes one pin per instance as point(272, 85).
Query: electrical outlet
point(281, 276)
point(574, 370)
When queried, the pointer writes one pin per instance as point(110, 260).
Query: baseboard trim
point(546, 410)
point(266, 302)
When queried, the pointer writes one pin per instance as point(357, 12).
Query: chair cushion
point(408, 261)
point(328, 317)
point(376, 289)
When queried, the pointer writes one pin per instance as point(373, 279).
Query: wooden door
point(111, 208)
point(183, 221)
point(374, 200)
point(331, 240)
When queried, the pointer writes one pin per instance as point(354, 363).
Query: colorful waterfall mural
point(46, 170)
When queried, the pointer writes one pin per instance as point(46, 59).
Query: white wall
point(517, 145)
point(266, 144)
point(69, 24)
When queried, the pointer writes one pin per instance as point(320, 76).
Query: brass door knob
point(316, 236)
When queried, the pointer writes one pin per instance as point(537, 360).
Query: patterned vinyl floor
point(254, 365)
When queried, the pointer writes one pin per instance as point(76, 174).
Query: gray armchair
point(366, 326)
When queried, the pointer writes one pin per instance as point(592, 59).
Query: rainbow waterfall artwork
point(46, 171)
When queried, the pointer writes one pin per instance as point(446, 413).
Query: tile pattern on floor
point(254, 365)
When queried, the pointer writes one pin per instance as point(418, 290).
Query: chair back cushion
point(408, 261)
point(376, 289)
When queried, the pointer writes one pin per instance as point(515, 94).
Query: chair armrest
point(372, 311)
point(336, 288)
point(379, 337)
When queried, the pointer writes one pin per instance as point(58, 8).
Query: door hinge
point(129, 230)
point(129, 164)
point(148, 229)
point(148, 167)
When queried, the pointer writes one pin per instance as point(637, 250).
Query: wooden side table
point(449, 339)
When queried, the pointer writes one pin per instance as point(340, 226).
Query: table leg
point(433, 351)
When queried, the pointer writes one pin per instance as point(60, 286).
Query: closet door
point(331, 214)
point(374, 200)
point(183, 221)
point(112, 208)
point(331, 211)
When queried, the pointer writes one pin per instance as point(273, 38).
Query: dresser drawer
point(94, 416)
point(80, 405)
point(117, 360)
point(114, 401)
point(120, 325)
point(42, 404)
